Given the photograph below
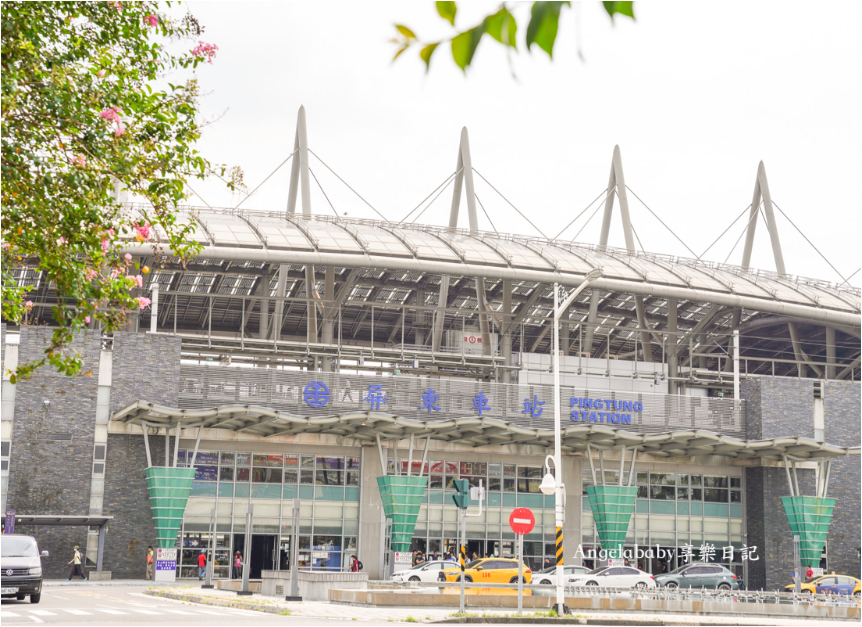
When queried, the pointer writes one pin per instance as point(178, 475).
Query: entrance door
point(263, 553)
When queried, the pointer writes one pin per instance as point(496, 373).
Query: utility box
point(469, 341)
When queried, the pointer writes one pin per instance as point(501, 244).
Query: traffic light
point(462, 499)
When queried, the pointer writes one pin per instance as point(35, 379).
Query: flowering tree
point(90, 105)
point(501, 26)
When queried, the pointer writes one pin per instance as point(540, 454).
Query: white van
point(20, 567)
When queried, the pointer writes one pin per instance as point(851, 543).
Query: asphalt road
point(126, 605)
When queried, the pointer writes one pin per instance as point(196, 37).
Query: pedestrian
point(354, 564)
point(237, 565)
point(149, 563)
point(809, 573)
point(547, 562)
point(450, 557)
point(202, 564)
point(793, 576)
point(76, 565)
point(436, 556)
point(475, 557)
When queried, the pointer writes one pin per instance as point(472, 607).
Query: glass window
point(206, 473)
point(466, 468)
point(226, 458)
point(495, 470)
point(735, 496)
point(436, 482)
point(736, 482)
point(207, 457)
point(332, 463)
point(352, 478)
point(643, 477)
point(657, 478)
point(480, 468)
point(352, 463)
point(451, 468)
point(307, 461)
point(327, 476)
point(225, 473)
point(306, 477)
point(682, 494)
point(266, 475)
point(710, 481)
point(509, 470)
point(5, 448)
point(643, 492)
point(696, 494)
point(269, 460)
point(99, 452)
point(682, 479)
point(695, 480)
point(714, 495)
point(99, 468)
point(243, 474)
point(243, 459)
point(664, 493)
point(494, 484)
point(290, 476)
point(508, 485)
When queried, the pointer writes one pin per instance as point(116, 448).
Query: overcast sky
point(695, 94)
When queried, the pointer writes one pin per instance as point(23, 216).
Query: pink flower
point(80, 160)
point(91, 274)
point(114, 273)
point(61, 240)
point(119, 131)
point(128, 256)
point(6, 244)
point(112, 113)
point(117, 5)
point(105, 245)
point(29, 305)
point(87, 319)
point(152, 20)
point(143, 230)
point(101, 73)
point(139, 280)
point(207, 52)
point(143, 302)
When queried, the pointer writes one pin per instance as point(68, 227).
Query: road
point(126, 605)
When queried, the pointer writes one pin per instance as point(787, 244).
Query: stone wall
point(841, 409)
point(128, 501)
point(146, 368)
point(52, 476)
point(778, 407)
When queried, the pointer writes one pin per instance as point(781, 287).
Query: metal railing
point(442, 398)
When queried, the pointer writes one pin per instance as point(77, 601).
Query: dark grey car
point(698, 575)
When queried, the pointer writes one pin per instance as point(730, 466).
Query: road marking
point(79, 612)
point(145, 612)
point(5, 614)
point(112, 612)
point(41, 612)
point(36, 619)
point(211, 612)
point(179, 612)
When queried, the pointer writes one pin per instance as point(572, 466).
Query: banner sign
point(9, 525)
point(166, 565)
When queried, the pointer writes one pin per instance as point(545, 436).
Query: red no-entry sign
point(522, 521)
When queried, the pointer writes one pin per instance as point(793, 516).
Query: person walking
point(354, 564)
point(793, 576)
point(202, 565)
point(149, 563)
point(237, 565)
point(76, 565)
point(809, 573)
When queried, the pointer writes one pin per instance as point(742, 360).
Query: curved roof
point(477, 432)
point(274, 237)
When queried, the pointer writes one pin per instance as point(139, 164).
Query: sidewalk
point(319, 609)
point(112, 582)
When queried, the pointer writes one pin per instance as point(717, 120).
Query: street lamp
point(551, 484)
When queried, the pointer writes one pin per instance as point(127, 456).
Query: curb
point(88, 583)
point(238, 605)
point(536, 620)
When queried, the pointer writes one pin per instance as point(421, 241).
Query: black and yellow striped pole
point(463, 557)
point(559, 561)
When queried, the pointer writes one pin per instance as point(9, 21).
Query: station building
point(426, 351)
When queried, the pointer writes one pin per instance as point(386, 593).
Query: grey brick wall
point(127, 500)
point(841, 409)
point(778, 407)
point(53, 476)
point(767, 525)
point(146, 368)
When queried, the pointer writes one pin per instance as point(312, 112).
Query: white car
point(615, 577)
point(548, 577)
point(426, 571)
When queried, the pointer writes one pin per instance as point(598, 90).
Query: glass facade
point(507, 486)
point(674, 509)
point(228, 481)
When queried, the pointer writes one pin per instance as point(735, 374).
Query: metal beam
point(299, 168)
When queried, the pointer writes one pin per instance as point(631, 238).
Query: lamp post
point(554, 484)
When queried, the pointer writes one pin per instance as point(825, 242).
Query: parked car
point(809, 585)
point(615, 577)
point(487, 570)
point(837, 584)
point(548, 577)
point(426, 571)
point(698, 575)
point(21, 566)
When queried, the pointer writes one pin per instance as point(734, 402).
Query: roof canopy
point(476, 432)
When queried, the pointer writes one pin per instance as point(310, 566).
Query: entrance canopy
point(358, 427)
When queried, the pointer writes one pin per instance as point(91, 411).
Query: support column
point(327, 332)
point(672, 346)
point(830, 352)
point(312, 305)
point(263, 303)
point(506, 338)
point(371, 519)
point(564, 332)
point(572, 524)
point(278, 316)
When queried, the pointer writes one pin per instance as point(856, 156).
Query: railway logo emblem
point(315, 394)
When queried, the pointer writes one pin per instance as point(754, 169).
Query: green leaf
point(400, 50)
point(405, 31)
point(425, 54)
point(503, 27)
point(447, 11)
point(464, 46)
point(621, 8)
point(544, 22)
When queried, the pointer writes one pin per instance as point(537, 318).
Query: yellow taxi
point(487, 570)
point(829, 584)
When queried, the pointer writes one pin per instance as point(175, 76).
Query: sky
point(695, 96)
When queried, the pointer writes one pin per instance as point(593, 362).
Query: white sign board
point(615, 561)
point(166, 565)
point(402, 558)
point(818, 572)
